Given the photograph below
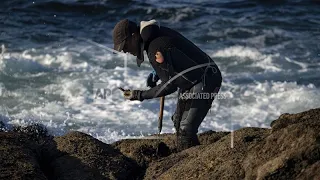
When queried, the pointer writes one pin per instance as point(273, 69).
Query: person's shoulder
point(161, 45)
point(162, 42)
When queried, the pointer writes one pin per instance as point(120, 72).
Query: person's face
point(132, 45)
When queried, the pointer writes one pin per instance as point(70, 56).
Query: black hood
point(149, 30)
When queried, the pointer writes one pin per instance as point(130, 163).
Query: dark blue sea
point(55, 54)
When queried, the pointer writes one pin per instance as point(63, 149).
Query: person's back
point(186, 45)
point(190, 50)
point(185, 56)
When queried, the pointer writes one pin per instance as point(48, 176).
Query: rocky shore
point(290, 149)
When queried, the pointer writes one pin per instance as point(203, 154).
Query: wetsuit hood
point(149, 30)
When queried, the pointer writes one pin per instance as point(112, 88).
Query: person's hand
point(152, 79)
point(131, 94)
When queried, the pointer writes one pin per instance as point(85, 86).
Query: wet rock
point(18, 157)
point(290, 149)
point(306, 118)
point(217, 160)
point(143, 151)
point(27, 153)
point(210, 137)
point(80, 156)
point(35, 132)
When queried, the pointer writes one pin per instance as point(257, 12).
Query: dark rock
point(73, 156)
point(217, 160)
point(210, 137)
point(289, 150)
point(143, 151)
point(35, 132)
point(18, 157)
point(80, 156)
point(163, 150)
point(308, 117)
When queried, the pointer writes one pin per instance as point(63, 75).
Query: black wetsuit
point(187, 68)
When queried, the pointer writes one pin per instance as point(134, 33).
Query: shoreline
point(289, 150)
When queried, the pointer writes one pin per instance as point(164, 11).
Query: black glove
point(132, 94)
point(152, 79)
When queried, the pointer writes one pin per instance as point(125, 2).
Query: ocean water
point(54, 54)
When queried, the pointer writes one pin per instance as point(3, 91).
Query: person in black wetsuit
point(180, 65)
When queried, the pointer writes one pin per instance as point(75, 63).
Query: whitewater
point(50, 75)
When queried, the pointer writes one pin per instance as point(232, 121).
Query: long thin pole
point(161, 114)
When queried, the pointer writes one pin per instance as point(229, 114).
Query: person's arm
point(163, 89)
point(167, 86)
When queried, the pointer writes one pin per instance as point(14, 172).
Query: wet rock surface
point(290, 149)
point(78, 156)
